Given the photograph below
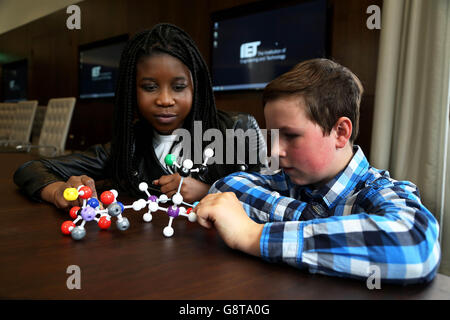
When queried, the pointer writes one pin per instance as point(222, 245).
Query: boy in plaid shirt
point(326, 210)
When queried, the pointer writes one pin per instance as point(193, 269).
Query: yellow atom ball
point(70, 194)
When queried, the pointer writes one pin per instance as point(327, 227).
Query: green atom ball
point(170, 159)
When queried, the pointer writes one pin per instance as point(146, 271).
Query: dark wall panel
point(52, 52)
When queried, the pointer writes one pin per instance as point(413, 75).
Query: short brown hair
point(330, 91)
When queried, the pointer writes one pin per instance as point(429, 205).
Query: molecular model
point(91, 210)
point(174, 210)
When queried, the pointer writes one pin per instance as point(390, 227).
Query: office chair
point(7, 111)
point(37, 124)
point(20, 131)
point(52, 140)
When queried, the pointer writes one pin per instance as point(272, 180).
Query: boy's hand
point(191, 189)
point(225, 212)
point(53, 192)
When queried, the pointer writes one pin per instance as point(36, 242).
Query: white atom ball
point(177, 198)
point(138, 205)
point(168, 231)
point(115, 193)
point(163, 198)
point(143, 186)
point(192, 217)
point(188, 164)
point(147, 217)
point(153, 206)
point(209, 153)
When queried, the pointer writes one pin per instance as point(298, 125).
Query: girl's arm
point(54, 192)
point(33, 176)
point(191, 189)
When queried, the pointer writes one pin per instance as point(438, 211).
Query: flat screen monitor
point(252, 46)
point(99, 67)
point(15, 81)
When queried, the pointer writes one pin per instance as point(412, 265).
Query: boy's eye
point(291, 135)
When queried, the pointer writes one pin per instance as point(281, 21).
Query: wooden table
point(141, 263)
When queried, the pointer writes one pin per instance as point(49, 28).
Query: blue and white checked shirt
point(360, 219)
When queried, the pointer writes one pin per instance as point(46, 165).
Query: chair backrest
point(7, 112)
point(37, 124)
point(23, 122)
point(56, 125)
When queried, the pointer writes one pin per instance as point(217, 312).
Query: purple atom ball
point(173, 211)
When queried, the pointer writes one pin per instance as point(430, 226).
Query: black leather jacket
point(34, 175)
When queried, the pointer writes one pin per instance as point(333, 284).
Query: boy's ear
point(343, 129)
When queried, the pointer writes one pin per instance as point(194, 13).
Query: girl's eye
point(179, 87)
point(149, 87)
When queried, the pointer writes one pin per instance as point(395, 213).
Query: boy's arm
point(398, 236)
point(390, 230)
point(261, 196)
point(225, 213)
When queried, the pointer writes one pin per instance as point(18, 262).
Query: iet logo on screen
point(95, 71)
point(249, 49)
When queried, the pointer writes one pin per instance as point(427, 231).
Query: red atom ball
point(85, 192)
point(104, 222)
point(188, 210)
point(74, 212)
point(107, 197)
point(67, 226)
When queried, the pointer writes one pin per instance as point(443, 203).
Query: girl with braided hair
point(163, 85)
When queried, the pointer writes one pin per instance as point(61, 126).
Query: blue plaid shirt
point(360, 219)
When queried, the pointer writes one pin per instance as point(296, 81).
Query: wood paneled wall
point(52, 52)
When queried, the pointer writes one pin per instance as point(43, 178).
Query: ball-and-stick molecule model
point(175, 209)
point(91, 207)
point(91, 210)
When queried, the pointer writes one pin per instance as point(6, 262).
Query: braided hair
point(162, 38)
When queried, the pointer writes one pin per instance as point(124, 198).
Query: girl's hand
point(191, 189)
point(224, 212)
point(53, 192)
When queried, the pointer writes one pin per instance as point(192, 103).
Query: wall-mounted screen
point(253, 45)
point(99, 67)
point(15, 81)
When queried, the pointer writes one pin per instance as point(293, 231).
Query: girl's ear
point(343, 130)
